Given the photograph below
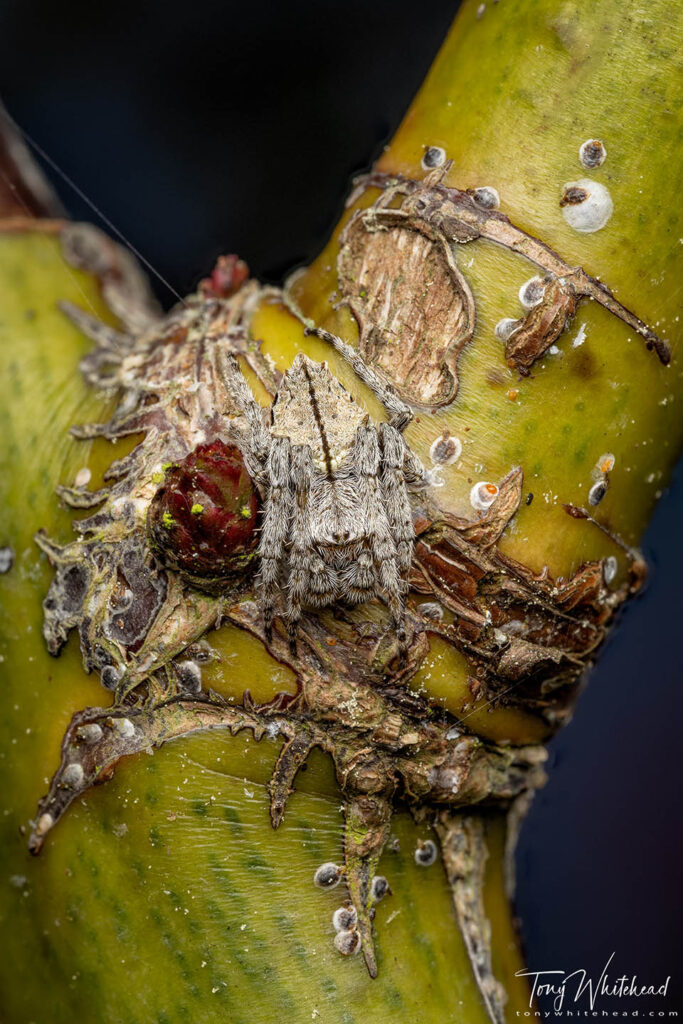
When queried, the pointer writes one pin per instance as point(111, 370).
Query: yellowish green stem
point(165, 896)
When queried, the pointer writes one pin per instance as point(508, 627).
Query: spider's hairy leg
point(322, 526)
point(389, 582)
point(393, 488)
point(106, 337)
point(276, 527)
point(414, 473)
point(255, 443)
point(357, 579)
point(400, 414)
point(299, 565)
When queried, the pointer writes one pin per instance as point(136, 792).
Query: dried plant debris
point(450, 216)
point(125, 289)
point(109, 583)
point(464, 852)
point(369, 772)
point(169, 549)
point(531, 336)
point(414, 308)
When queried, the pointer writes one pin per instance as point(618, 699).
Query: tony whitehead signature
point(578, 984)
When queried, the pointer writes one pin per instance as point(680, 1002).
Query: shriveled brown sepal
point(542, 326)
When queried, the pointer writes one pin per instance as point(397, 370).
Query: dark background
point(222, 127)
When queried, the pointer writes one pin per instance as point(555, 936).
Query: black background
point(224, 127)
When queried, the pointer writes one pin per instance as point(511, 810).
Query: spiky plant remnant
point(202, 520)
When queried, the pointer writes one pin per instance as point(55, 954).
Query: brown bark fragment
point(414, 309)
point(290, 759)
point(488, 529)
point(528, 638)
point(367, 824)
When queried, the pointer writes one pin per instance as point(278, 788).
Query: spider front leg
point(299, 556)
point(276, 526)
point(383, 547)
point(399, 464)
point(400, 414)
point(255, 443)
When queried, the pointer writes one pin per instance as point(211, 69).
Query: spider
point(337, 523)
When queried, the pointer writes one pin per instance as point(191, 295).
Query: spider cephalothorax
point(337, 523)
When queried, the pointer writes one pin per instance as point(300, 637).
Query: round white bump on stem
point(609, 569)
point(487, 197)
point(431, 610)
point(605, 463)
point(426, 853)
point(124, 727)
point(82, 478)
point(505, 328)
point(483, 495)
point(434, 156)
point(44, 824)
point(597, 492)
point(592, 153)
point(586, 205)
point(190, 675)
point(531, 292)
point(380, 887)
point(91, 732)
point(344, 918)
point(327, 876)
point(110, 677)
point(72, 775)
point(446, 449)
point(347, 942)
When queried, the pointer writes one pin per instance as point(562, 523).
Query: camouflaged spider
point(337, 523)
